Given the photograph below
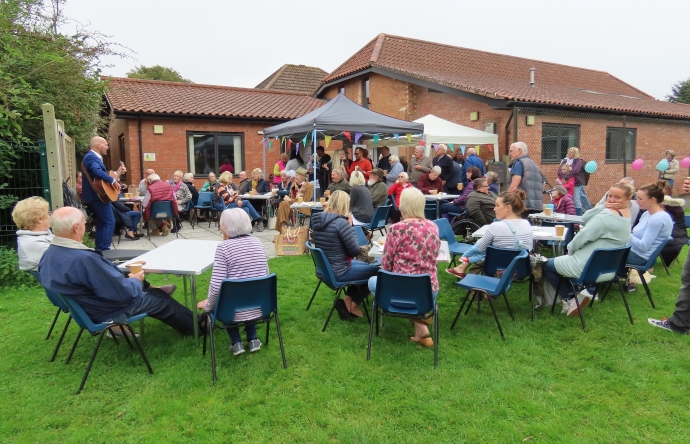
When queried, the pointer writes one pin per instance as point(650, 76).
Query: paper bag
point(291, 243)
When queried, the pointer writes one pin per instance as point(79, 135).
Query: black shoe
point(139, 234)
point(342, 310)
point(127, 236)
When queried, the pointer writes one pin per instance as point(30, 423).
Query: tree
point(680, 92)
point(156, 73)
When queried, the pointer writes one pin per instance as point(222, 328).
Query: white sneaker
point(572, 311)
point(566, 305)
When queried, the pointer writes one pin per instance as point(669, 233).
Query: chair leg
point(475, 295)
point(268, 324)
point(328, 319)
point(531, 295)
point(203, 351)
point(375, 313)
point(555, 296)
point(74, 346)
point(366, 310)
point(312, 296)
point(280, 340)
point(625, 301)
point(510, 312)
point(62, 336)
point(579, 312)
point(665, 266)
point(436, 335)
point(213, 351)
point(124, 333)
point(50, 330)
point(646, 288)
point(498, 323)
point(371, 329)
point(141, 350)
point(93, 357)
point(452, 326)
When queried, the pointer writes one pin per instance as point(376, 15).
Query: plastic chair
point(378, 221)
point(239, 296)
point(188, 212)
point(205, 203)
point(324, 273)
point(602, 267)
point(57, 301)
point(404, 296)
point(361, 237)
point(498, 259)
point(491, 286)
point(163, 209)
point(430, 213)
point(455, 248)
point(85, 323)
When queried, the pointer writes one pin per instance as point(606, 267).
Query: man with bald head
point(143, 185)
point(93, 168)
point(471, 160)
point(70, 268)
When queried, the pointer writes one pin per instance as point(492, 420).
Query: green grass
point(548, 381)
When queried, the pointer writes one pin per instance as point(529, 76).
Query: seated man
point(70, 268)
point(245, 184)
point(158, 191)
point(431, 181)
point(143, 185)
point(377, 187)
point(481, 203)
point(300, 188)
point(339, 182)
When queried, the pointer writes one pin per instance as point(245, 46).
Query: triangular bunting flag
point(422, 143)
point(289, 143)
point(490, 146)
point(347, 134)
point(297, 147)
point(327, 140)
point(450, 146)
point(357, 136)
point(476, 147)
point(409, 137)
point(376, 139)
point(434, 145)
point(270, 144)
point(462, 148)
point(304, 141)
point(397, 137)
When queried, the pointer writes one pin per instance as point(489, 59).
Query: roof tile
point(296, 78)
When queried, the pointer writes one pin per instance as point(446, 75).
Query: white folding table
point(438, 198)
point(558, 217)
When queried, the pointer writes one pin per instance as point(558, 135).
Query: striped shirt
point(236, 258)
point(498, 234)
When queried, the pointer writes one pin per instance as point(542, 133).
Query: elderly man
point(338, 181)
point(431, 181)
point(300, 188)
point(245, 184)
point(143, 185)
point(378, 189)
point(93, 168)
point(361, 163)
point(419, 164)
point(673, 167)
point(211, 184)
point(384, 162)
point(526, 176)
point(70, 268)
point(481, 203)
point(443, 161)
point(471, 160)
point(158, 191)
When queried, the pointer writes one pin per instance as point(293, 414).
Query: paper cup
point(433, 191)
point(548, 211)
point(300, 199)
point(327, 193)
point(128, 195)
point(560, 229)
point(252, 193)
point(135, 267)
point(322, 200)
point(460, 186)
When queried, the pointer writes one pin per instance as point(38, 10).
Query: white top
point(181, 256)
point(30, 248)
point(499, 234)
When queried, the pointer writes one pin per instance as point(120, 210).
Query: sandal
point(455, 273)
point(426, 341)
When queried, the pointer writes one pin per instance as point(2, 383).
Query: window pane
point(615, 139)
point(230, 154)
point(556, 139)
point(202, 158)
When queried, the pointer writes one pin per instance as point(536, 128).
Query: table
point(187, 257)
point(295, 207)
point(261, 197)
point(558, 217)
point(443, 254)
point(539, 234)
point(438, 198)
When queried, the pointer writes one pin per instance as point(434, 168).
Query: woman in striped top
point(239, 256)
point(510, 231)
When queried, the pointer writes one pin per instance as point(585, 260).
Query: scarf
point(254, 184)
point(569, 161)
point(176, 187)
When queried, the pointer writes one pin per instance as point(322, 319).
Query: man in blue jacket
point(94, 168)
point(471, 160)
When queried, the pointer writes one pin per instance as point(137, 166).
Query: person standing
point(279, 166)
point(444, 162)
point(472, 160)
point(673, 167)
point(323, 174)
point(384, 162)
point(94, 168)
point(525, 175)
point(419, 164)
point(574, 167)
point(361, 163)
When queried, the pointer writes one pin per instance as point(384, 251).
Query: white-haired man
point(443, 161)
point(526, 176)
point(419, 164)
point(471, 160)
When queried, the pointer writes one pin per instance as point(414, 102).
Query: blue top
point(649, 232)
point(517, 169)
point(97, 170)
point(472, 161)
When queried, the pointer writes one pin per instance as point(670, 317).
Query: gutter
point(515, 103)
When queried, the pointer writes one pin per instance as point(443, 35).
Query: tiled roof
point(504, 77)
point(152, 96)
point(296, 78)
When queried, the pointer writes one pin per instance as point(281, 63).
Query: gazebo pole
point(315, 165)
point(264, 152)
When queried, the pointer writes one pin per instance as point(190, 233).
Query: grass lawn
point(548, 382)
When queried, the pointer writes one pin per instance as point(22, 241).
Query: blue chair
point(498, 259)
point(85, 323)
point(188, 211)
point(163, 209)
point(492, 286)
point(378, 221)
point(404, 296)
point(237, 298)
point(361, 237)
point(603, 267)
point(204, 203)
point(430, 212)
point(55, 299)
point(324, 273)
point(455, 248)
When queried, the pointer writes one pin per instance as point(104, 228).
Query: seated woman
point(333, 234)
point(492, 177)
point(511, 231)
point(604, 227)
point(32, 218)
point(228, 198)
point(259, 185)
point(182, 194)
point(300, 188)
point(395, 190)
point(481, 203)
point(284, 185)
point(412, 246)
point(211, 184)
point(396, 169)
point(239, 256)
point(458, 205)
point(674, 208)
point(128, 218)
point(654, 226)
point(361, 207)
point(562, 201)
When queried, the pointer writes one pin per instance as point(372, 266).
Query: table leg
point(184, 281)
point(438, 208)
point(192, 281)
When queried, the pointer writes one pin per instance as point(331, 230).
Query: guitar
point(106, 192)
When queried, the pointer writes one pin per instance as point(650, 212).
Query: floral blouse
point(412, 247)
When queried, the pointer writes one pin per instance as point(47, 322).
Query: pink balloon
point(685, 163)
point(638, 164)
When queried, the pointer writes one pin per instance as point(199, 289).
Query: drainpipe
point(515, 124)
point(141, 151)
point(507, 130)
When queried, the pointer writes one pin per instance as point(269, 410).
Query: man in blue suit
point(95, 169)
point(472, 160)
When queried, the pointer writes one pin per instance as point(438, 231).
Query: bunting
point(297, 148)
point(376, 139)
point(397, 137)
point(347, 134)
point(289, 144)
point(357, 137)
point(422, 143)
point(450, 146)
point(409, 137)
point(490, 146)
point(327, 140)
point(270, 144)
point(463, 148)
point(304, 141)
point(476, 147)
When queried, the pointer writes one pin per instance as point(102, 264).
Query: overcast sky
point(239, 43)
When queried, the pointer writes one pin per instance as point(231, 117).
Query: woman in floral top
point(412, 247)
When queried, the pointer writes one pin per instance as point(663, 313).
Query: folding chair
point(57, 301)
point(455, 248)
point(85, 323)
point(493, 287)
point(163, 209)
point(404, 296)
point(324, 273)
point(245, 302)
point(378, 221)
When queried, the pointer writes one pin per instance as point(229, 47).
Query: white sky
point(239, 43)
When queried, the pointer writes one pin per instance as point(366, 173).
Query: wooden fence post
point(53, 156)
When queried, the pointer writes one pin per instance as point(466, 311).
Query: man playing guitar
point(94, 169)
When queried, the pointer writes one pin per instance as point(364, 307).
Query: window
point(215, 152)
point(615, 137)
point(556, 138)
point(365, 93)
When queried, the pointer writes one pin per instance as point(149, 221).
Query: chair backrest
point(445, 231)
point(79, 315)
point(380, 217)
point(500, 258)
point(569, 225)
point(507, 278)
point(603, 265)
point(247, 299)
point(205, 200)
point(53, 297)
point(687, 222)
point(161, 209)
point(652, 258)
point(430, 213)
point(361, 237)
point(322, 266)
point(406, 294)
point(391, 199)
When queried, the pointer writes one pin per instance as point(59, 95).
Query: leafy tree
point(156, 73)
point(680, 92)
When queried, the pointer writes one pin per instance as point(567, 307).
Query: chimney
point(531, 77)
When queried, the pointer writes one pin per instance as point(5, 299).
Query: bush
point(10, 275)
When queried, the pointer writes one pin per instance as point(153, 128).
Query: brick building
point(295, 78)
point(194, 128)
point(550, 108)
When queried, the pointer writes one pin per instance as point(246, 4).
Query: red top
point(396, 190)
point(425, 184)
point(364, 165)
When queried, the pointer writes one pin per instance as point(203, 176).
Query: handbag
point(291, 243)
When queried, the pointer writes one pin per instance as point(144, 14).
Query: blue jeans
point(246, 206)
point(635, 259)
point(105, 224)
point(670, 182)
point(566, 288)
point(135, 216)
point(358, 271)
point(234, 333)
point(580, 198)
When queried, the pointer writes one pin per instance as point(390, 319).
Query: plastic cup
point(327, 193)
point(560, 229)
point(135, 267)
point(252, 193)
point(460, 187)
point(300, 200)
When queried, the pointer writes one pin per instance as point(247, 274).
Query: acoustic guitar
point(106, 192)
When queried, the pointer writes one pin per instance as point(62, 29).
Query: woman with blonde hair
point(33, 237)
point(338, 160)
point(333, 233)
point(360, 200)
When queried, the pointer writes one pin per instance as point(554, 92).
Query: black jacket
point(193, 190)
point(334, 235)
point(446, 165)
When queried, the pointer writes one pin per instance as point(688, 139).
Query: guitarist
point(94, 168)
